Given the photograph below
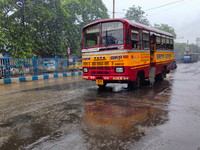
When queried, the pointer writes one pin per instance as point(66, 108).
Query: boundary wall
point(38, 77)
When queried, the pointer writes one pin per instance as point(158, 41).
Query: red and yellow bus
point(122, 51)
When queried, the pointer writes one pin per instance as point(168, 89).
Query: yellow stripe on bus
point(142, 66)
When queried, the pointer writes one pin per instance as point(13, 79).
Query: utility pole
point(113, 9)
point(187, 46)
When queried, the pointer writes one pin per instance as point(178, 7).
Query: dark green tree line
point(180, 49)
point(165, 27)
point(45, 28)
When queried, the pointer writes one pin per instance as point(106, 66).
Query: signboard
point(112, 26)
point(187, 48)
point(68, 50)
point(93, 29)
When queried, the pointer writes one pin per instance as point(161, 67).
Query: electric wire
point(159, 7)
point(164, 5)
point(169, 8)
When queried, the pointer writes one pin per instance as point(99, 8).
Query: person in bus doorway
point(152, 42)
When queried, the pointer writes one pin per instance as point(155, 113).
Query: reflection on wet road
point(69, 113)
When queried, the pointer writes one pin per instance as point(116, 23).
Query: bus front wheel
point(134, 84)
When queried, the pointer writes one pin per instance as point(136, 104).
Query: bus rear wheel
point(161, 76)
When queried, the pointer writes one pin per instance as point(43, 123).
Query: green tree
point(179, 49)
point(82, 12)
point(165, 27)
point(194, 48)
point(21, 27)
point(136, 14)
point(15, 29)
point(45, 28)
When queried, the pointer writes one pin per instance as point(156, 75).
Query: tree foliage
point(180, 49)
point(136, 14)
point(45, 28)
point(82, 12)
point(165, 27)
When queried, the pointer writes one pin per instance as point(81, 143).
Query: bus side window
point(167, 43)
point(163, 42)
point(141, 42)
point(158, 42)
point(134, 39)
point(171, 44)
point(145, 39)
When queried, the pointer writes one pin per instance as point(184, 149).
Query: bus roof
point(134, 24)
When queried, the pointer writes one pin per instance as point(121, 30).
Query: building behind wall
point(1, 55)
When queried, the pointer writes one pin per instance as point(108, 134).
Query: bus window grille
point(93, 72)
point(107, 68)
point(99, 68)
point(92, 68)
point(85, 64)
point(106, 72)
point(106, 63)
point(99, 72)
point(99, 63)
point(93, 63)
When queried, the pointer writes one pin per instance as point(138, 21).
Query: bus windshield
point(111, 34)
point(91, 36)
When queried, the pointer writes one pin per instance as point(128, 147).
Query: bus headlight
point(85, 70)
point(119, 70)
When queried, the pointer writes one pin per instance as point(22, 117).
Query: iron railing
point(13, 67)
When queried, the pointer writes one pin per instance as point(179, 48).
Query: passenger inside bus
point(110, 40)
point(152, 42)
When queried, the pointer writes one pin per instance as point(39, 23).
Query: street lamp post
point(113, 9)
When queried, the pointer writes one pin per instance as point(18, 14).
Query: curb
point(39, 77)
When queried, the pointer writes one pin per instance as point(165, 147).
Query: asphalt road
point(73, 114)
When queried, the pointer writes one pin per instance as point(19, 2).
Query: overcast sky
point(182, 15)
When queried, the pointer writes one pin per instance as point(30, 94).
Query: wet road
point(72, 114)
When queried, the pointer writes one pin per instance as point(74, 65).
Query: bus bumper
point(107, 78)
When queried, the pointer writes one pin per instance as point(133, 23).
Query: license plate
point(99, 82)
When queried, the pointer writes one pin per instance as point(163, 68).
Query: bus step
point(152, 72)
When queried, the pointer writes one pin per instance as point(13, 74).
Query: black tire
point(130, 85)
point(161, 76)
point(137, 82)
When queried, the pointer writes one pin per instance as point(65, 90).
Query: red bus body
point(121, 51)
